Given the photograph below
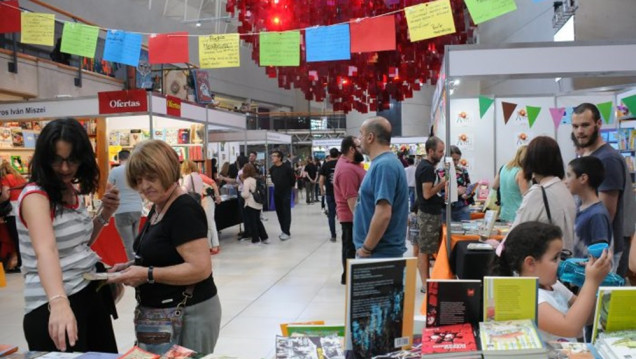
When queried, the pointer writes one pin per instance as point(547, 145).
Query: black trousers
point(282, 201)
point(13, 233)
point(348, 249)
point(246, 229)
point(94, 327)
point(253, 224)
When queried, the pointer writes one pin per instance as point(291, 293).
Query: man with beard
point(428, 188)
point(586, 125)
point(379, 221)
point(346, 182)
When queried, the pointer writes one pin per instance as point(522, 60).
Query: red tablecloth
point(109, 245)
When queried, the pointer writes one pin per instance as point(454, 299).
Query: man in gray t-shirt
point(128, 214)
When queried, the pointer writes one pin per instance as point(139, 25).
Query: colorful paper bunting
point(37, 28)
point(605, 109)
point(218, 51)
point(79, 39)
point(484, 10)
point(328, 43)
point(508, 109)
point(484, 105)
point(567, 116)
point(9, 16)
point(373, 34)
point(168, 48)
point(533, 113)
point(630, 102)
point(431, 19)
point(557, 114)
point(279, 48)
point(122, 47)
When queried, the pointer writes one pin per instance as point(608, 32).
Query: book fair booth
point(115, 121)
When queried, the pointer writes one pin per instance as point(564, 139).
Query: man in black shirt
point(283, 179)
point(311, 179)
point(326, 188)
point(428, 187)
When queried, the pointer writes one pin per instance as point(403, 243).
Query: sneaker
point(284, 237)
point(265, 241)
point(333, 239)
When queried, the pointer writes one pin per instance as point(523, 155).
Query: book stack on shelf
point(312, 339)
point(17, 142)
point(614, 332)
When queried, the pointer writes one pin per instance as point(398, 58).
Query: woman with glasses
point(64, 311)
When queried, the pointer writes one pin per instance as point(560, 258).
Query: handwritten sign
point(217, 51)
point(484, 10)
point(328, 43)
point(79, 39)
point(37, 28)
point(431, 19)
point(279, 48)
point(122, 47)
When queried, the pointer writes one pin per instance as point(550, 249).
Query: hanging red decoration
point(366, 81)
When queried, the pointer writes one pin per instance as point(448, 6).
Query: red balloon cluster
point(368, 81)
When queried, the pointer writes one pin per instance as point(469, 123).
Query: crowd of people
point(168, 260)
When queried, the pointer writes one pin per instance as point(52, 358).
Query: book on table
point(452, 302)
point(571, 350)
point(309, 347)
point(510, 298)
point(6, 349)
point(617, 345)
point(316, 330)
point(510, 338)
point(137, 353)
point(450, 341)
point(615, 310)
point(380, 300)
point(283, 326)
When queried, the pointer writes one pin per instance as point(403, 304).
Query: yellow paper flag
point(38, 28)
point(431, 19)
point(216, 51)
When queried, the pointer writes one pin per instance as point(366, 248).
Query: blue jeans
point(331, 215)
point(128, 227)
point(457, 214)
point(411, 197)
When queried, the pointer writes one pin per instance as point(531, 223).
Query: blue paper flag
point(122, 47)
point(328, 43)
point(567, 116)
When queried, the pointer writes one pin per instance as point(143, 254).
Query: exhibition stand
point(320, 148)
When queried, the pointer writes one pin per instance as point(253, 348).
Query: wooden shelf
point(14, 149)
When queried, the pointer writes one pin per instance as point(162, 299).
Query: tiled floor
point(260, 286)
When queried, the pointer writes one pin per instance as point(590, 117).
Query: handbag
point(196, 196)
point(5, 208)
point(158, 329)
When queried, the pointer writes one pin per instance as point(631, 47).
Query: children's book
point(452, 302)
point(617, 345)
point(316, 330)
point(138, 353)
point(5, 137)
point(135, 137)
point(29, 138)
point(510, 337)
point(380, 298)
point(309, 347)
point(178, 352)
point(172, 135)
point(285, 332)
point(159, 134)
point(113, 138)
point(615, 310)
point(570, 350)
point(17, 137)
point(183, 136)
point(449, 341)
point(510, 298)
point(124, 138)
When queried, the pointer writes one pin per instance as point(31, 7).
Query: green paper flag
point(605, 109)
point(279, 48)
point(484, 105)
point(630, 102)
point(484, 10)
point(533, 113)
point(79, 39)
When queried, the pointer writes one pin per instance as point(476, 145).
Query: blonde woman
point(512, 184)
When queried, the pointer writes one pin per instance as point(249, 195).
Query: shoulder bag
point(193, 193)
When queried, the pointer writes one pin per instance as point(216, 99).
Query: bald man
point(379, 222)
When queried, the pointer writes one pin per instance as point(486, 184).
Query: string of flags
point(321, 43)
point(559, 115)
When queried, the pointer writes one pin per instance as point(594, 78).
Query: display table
point(271, 206)
point(227, 214)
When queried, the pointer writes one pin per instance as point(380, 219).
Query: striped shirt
point(73, 228)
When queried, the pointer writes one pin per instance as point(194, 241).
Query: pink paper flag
point(557, 114)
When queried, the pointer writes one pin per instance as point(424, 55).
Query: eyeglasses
point(70, 161)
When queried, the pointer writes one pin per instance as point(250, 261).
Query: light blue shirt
point(385, 180)
point(129, 199)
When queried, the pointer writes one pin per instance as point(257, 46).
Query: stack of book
point(511, 338)
point(614, 332)
point(313, 339)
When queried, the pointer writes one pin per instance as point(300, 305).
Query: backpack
point(260, 194)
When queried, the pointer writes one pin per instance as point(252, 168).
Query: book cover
point(159, 134)
point(135, 137)
point(458, 338)
point(5, 137)
point(17, 137)
point(124, 138)
point(98, 355)
point(380, 298)
point(16, 163)
point(510, 298)
point(178, 352)
point(316, 330)
point(510, 335)
point(29, 138)
point(283, 326)
point(452, 302)
point(113, 138)
point(620, 344)
point(183, 136)
point(329, 347)
point(172, 135)
point(6, 349)
point(138, 353)
point(614, 310)
point(570, 350)
point(202, 88)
